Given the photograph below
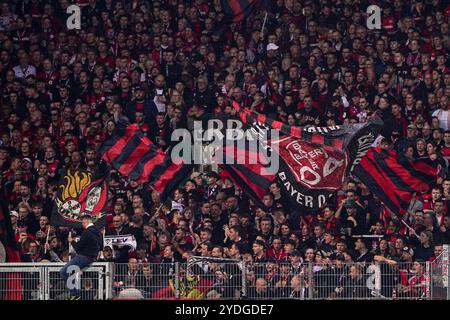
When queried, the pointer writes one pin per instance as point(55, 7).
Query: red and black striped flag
point(238, 10)
point(252, 175)
point(131, 153)
point(12, 285)
point(313, 161)
point(394, 178)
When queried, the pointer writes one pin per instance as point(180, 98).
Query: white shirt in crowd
point(444, 118)
point(21, 72)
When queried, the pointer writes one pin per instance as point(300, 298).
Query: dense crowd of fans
point(164, 64)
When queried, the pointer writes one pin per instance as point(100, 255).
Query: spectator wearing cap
point(408, 140)
point(296, 262)
point(407, 254)
point(14, 216)
point(272, 54)
point(354, 223)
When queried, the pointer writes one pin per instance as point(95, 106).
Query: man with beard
point(308, 115)
point(158, 93)
point(141, 104)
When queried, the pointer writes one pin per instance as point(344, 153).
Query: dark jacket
point(90, 243)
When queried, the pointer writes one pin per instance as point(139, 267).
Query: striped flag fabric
point(131, 153)
point(313, 161)
point(252, 177)
point(332, 139)
point(394, 178)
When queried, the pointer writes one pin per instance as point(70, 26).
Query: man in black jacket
point(87, 249)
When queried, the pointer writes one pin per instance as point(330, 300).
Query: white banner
point(120, 241)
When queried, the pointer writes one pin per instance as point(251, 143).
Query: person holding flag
point(87, 249)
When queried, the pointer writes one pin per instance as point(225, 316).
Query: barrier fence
point(203, 279)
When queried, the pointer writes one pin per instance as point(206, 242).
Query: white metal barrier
point(220, 279)
point(42, 281)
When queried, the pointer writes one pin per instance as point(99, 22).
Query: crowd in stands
point(165, 64)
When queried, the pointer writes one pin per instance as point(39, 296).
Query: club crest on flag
point(79, 194)
point(312, 165)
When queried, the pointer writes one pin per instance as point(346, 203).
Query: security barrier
point(234, 280)
point(42, 281)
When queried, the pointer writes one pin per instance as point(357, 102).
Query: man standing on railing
point(87, 249)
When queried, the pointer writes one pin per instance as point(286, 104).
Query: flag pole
point(264, 24)
point(70, 245)
point(46, 240)
point(409, 227)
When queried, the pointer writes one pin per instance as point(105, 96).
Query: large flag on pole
point(395, 178)
point(131, 153)
point(313, 160)
point(81, 192)
point(253, 176)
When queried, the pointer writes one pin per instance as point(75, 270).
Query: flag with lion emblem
point(80, 192)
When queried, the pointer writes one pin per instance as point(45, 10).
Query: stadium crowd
point(164, 64)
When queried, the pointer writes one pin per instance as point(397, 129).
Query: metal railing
point(440, 278)
point(219, 279)
point(42, 281)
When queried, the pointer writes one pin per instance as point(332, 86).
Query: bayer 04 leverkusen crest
point(80, 193)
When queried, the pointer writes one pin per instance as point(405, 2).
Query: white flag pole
point(264, 24)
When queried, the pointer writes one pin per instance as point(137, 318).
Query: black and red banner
point(253, 177)
point(80, 192)
point(238, 10)
point(313, 161)
point(131, 153)
point(395, 178)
